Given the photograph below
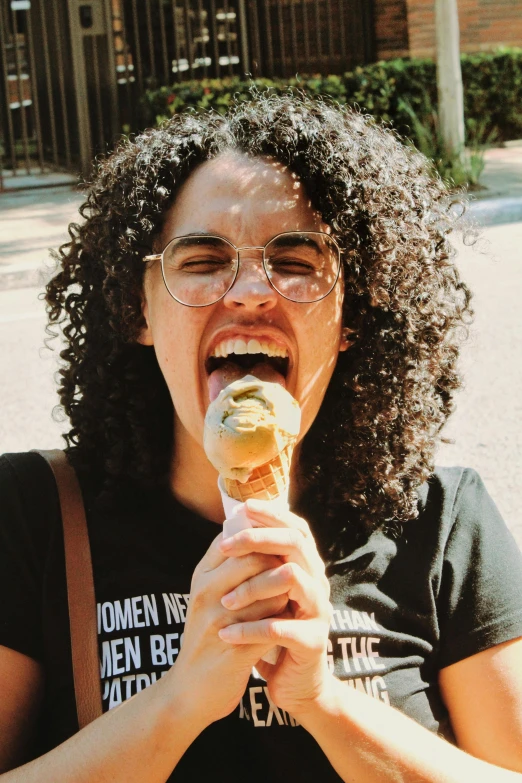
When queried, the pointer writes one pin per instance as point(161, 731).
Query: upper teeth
point(227, 347)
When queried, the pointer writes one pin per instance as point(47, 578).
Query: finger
point(213, 557)
point(261, 513)
point(218, 573)
point(269, 541)
point(235, 570)
point(295, 635)
point(287, 543)
point(259, 610)
point(288, 579)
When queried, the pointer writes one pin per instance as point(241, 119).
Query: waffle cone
point(266, 482)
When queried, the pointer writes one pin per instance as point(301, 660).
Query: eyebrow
point(209, 239)
point(283, 240)
point(297, 240)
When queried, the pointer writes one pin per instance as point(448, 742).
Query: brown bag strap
point(80, 589)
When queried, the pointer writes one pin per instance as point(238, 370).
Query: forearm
point(143, 739)
point(369, 742)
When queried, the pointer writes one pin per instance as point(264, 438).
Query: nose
point(251, 289)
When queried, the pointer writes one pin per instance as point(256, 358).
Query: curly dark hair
point(373, 441)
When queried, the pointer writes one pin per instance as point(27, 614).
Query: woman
point(414, 670)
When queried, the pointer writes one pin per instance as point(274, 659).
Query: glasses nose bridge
point(250, 247)
point(251, 284)
point(261, 265)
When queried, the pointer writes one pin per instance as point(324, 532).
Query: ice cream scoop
point(249, 424)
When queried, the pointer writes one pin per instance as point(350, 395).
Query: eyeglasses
point(200, 269)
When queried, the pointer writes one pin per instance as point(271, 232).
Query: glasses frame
point(160, 256)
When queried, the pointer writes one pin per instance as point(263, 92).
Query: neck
point(193, 479)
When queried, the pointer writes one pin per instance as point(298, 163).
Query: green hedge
point(492, 87)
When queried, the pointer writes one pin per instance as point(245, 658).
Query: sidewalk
point(32, 221)
point(501, 200)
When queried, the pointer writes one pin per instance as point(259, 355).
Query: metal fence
point(34, 68)
point(73, 71)
point(168, 40)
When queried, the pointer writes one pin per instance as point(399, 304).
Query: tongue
point(229, 372)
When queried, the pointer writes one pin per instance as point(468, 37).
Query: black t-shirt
point(404, 608)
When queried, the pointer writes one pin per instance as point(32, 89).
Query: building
point(406, 28)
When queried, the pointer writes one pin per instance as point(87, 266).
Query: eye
point(292, 266)
point(204, 266)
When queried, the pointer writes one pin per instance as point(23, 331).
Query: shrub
point(492, 93)
point(400, 92)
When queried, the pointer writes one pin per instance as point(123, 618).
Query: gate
point(57, 71)
point(161, 41)
point(73, 71)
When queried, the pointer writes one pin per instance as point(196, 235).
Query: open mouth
point(233, 359)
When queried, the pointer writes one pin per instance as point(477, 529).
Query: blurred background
point(75, 76)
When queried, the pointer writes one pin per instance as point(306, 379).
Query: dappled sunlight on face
point(247, 201)
point(316, 382)
point(261, 185)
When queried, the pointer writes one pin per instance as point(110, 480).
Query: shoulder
point(22, 466)
point(455, 498)
point(461, 526)
point(450, 486)
point(28, 496)
point(29, 525)
point(26, 474)
point(478, 567)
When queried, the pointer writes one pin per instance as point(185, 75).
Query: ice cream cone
point(266, 482)
point(251, 428)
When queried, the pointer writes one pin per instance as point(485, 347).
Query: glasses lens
point(302, 266)
point(199, 270)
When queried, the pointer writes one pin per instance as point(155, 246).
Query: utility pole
point(449, 76)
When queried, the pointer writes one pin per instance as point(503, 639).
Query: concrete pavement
point(501, 199)
point(32, 221)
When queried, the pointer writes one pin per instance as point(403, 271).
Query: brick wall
point(484, 24)
point(391, 29)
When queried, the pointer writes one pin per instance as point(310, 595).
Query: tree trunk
point(449, 76)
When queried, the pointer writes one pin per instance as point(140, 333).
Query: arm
point(365, 739)
point(21, 686)
point(369, 741)
point(483, 694)
point(144, 738)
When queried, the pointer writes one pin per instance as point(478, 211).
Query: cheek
point(176, 349)
point(175, 335)
point(177, 359)
point(322, 331)
point(319, 350)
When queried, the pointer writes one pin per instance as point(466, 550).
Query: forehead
point(244, 199)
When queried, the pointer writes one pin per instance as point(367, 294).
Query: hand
point(211, 674)
point(301, 672)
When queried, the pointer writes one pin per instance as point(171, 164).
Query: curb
point(487, 212)
point(496, 211)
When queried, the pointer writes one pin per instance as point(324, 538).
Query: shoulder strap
point(80, 589)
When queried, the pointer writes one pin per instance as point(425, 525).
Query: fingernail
point(255, 505)
point(229, 600)
point(224, 634)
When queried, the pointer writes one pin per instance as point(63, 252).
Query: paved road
point(32, 221)
point(487, 427)
point(27, 389)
